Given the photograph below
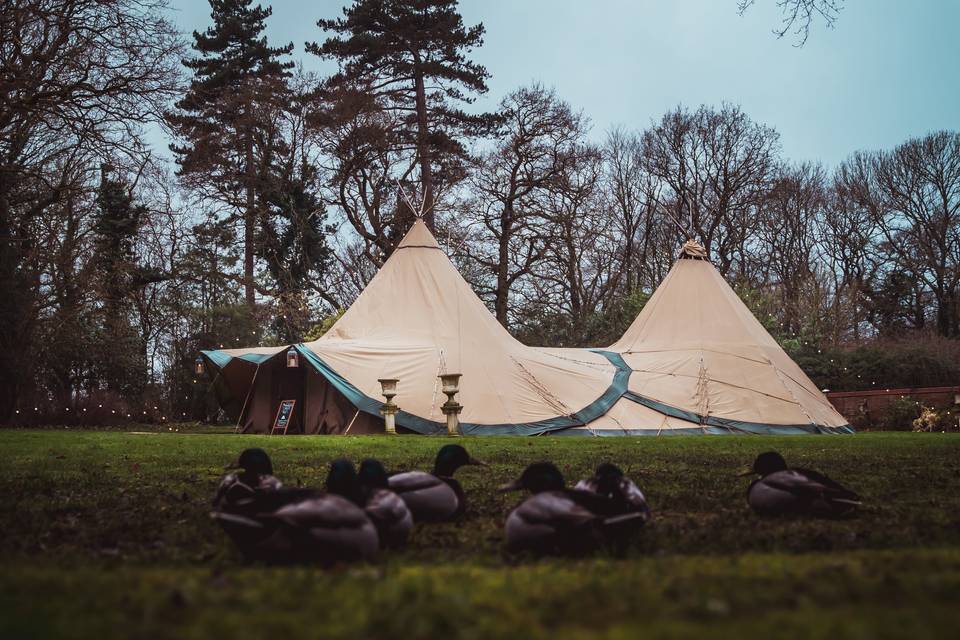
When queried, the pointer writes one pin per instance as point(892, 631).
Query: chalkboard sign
point(284, 414)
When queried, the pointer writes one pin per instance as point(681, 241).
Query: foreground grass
point(106, 534)
point(879, 594)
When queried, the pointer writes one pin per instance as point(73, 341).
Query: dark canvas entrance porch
point(252, 389)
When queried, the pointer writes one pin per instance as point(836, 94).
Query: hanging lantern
point(293, 358)
point(198, 366)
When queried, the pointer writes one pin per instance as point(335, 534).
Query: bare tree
point(631, 195)
point(80, 80)
point(847, 240)
point(799, 15)
point(542, 138)
point(787, 227)
point(913, 195)
point(363, 161)
point(582, 269)
point(715, 167)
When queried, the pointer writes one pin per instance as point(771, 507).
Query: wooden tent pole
point(347, 430)
point(245, 400)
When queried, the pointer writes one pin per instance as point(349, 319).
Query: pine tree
point(239, 83)
point(121, 361)
point(410, 54)
point(293, 242)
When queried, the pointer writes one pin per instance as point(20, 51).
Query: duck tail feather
point(625, 517)
point(236, 519)
point(853, 502)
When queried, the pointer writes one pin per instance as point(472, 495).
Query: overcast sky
point(886, 72)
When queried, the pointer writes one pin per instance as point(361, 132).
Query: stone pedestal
point(452, 410)
point(389, 412)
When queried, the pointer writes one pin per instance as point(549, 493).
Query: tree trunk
point(9, 309)
point(502, 299)
point(423, 150)
point(248, 226)
point(573, 280)
point(856, 309)
point(943, 309)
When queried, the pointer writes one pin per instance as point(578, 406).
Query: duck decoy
point(628, 500)
point(331, 527)
point(342, 480)
point(783, 490)
point(255, 473)
point(242, 497)
point(384, 507)
point(609, 481)
point(558, 520)
point(437, 496)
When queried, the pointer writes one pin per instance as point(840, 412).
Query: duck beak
point(232, 466)
point(516, 485)
point(477, 463)
point(746, 471)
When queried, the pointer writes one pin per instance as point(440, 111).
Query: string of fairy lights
point(145, 411)
point(130, 415)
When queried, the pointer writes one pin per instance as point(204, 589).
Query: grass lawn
point(106, 534)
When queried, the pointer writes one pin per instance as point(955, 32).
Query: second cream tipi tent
point(700, 361)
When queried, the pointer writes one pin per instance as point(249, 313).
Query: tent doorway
point(252, 389)
point(288, 383)
point(328, 411)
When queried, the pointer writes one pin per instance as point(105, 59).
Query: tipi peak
point(693, 249)
point(419, 236)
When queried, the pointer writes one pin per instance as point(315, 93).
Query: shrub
point(933, 420)
point(887, 364)
point(899, 415)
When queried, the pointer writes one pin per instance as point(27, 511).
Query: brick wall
point(856, 405)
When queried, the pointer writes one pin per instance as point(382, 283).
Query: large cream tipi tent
point(694, 361)
point(416, 319)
